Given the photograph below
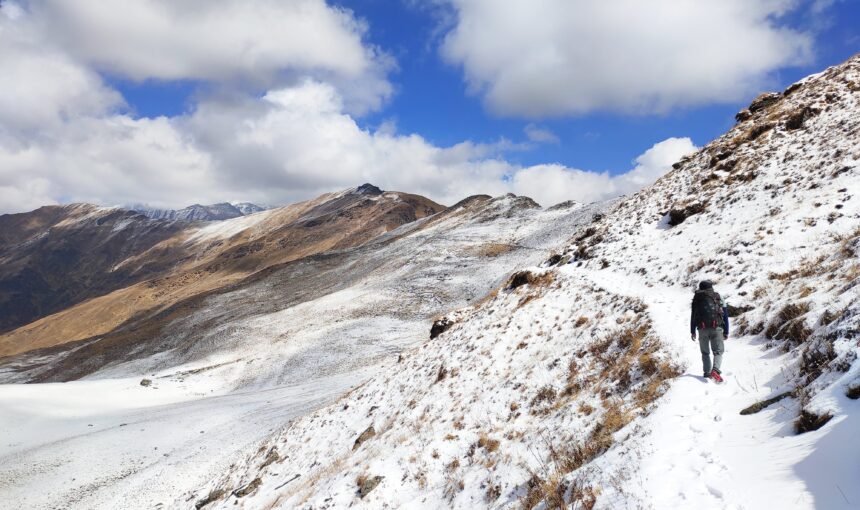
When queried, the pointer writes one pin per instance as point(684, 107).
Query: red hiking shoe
point(716, 376)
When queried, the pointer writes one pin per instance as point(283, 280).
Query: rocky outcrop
point(368, 433)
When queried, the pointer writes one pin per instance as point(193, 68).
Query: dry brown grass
point(545, 395)
point(489, 444)
point(489, 296)
point(491, 250)
point(789, 324)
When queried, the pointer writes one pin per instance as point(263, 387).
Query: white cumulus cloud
point(539, 58)
point(66, 135)
point(551, 184)
point(540, 135)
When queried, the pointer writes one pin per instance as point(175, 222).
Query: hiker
point(710, 316)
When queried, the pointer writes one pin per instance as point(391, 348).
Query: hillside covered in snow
point(575, 382)
point(171, 399)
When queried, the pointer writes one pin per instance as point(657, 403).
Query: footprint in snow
point(717, 493)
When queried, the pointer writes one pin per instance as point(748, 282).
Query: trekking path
point(697, 451)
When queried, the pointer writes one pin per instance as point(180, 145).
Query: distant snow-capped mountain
point(197, 212)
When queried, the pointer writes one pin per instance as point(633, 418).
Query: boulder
point(440, 326)
point(743, 115)
point(364, 436)
point(679, 214)
point(367, 484)
point(764, 100)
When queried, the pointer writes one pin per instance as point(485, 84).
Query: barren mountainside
point(169, 264)
point(58, 256)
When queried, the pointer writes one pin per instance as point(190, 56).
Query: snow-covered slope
point(241, 362)
point(577, 383)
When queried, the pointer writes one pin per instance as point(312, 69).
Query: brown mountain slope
point(58, 256)
point(204, 259)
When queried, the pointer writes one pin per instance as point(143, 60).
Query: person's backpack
point(708, 309)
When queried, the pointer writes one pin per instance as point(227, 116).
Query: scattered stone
point(735, 311)
point(521, 278)
point(791, 88)
point(213, 496)
point(809, 421)
point(680, 214)
point(248, 489)
point(271, 458)
point(364, 436)
point(145, 382)
point(759, 129)
point(440, 326)
point(796, 119)
point(758, 406)
point(367, 484)
point(739, 117)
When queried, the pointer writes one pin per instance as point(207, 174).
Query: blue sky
point(275, 102)
point(431, 93)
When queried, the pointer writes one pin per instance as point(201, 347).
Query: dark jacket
point(696, 322)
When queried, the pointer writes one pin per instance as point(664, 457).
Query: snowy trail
point(699, 451)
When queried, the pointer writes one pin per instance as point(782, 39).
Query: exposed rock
point(741, 116)
point(759, 129)
point(795, 120)
point(367, 484)
point(521, 278)
point(248, 489)
point(735, 311)
point(764, 100)
point(368, 189)
point(213, 496)
point(145, 382)
point(364, 436)
point(809, 421)
point(679, 214)
point(563, 205)
point(440, 326)
point(271, 457)
point(791, 88)
point(758, 406)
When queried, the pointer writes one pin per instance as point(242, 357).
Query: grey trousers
point(711, 339)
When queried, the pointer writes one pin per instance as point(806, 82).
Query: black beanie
point(705, 285)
